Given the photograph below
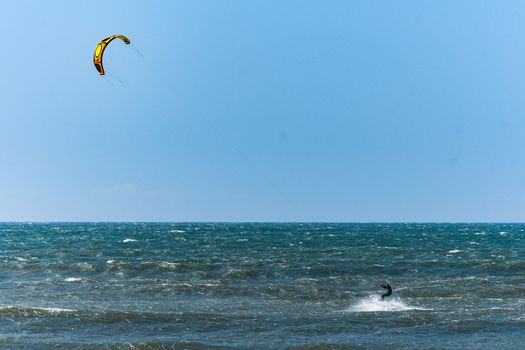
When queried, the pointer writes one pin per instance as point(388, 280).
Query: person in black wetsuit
point(388, 293)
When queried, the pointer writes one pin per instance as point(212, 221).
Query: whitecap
point(211, 284)
point(454, 251)
point(169, 265)
point(54, 310)
point(74, 279)
point(177, 231)
point(129, 240)
point(84, 266)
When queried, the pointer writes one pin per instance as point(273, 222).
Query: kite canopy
point(101, 46)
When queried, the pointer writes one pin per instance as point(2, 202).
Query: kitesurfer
point(388, 293)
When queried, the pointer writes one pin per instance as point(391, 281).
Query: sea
point(261, 286)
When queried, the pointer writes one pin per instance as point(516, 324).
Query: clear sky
point(263, 111)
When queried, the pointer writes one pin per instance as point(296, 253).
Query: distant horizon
point(267, 222)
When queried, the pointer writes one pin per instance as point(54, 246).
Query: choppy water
point(261, 286)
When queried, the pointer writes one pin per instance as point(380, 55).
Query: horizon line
point(254, 222)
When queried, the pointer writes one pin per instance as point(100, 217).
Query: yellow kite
point(99, 50)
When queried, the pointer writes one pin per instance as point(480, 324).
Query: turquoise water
point(261, 286)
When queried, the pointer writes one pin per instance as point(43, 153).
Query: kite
point(99, 50)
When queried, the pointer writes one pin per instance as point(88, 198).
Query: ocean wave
point(244, 274)
point(28, 311)
point(95, 344)
point(169, 265)
point(60, 266)
point(97, 316)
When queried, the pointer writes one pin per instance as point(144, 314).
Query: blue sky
point(263, 111)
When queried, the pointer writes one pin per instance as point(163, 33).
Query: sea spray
point(373, 303)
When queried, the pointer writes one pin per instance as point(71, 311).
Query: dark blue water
point(261, 286)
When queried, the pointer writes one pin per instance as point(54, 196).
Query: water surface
point(261, 286)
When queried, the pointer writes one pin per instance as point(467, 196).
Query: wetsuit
point(388, 291)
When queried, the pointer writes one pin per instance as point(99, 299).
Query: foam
point(29, 309)
point(54, 310)
point(74, 279)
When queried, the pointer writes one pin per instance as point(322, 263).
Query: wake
point(373, 303)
